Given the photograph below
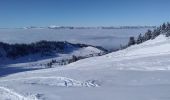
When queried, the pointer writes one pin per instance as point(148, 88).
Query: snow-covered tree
point(139, 39)
point(155, 33)
point(148, 35)
point(168, 26)
point(163, 26)
point(168, 33)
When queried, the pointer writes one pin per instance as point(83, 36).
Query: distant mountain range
point(99, 27)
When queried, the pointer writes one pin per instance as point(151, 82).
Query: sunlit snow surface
point(108, 38)
point(140, 72)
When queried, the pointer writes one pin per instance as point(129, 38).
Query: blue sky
point(20, 13)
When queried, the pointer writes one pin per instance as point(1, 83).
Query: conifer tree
point(155, 33)
point(139, 39)
point(148, 35)
point(163, 26)
point(131, 41)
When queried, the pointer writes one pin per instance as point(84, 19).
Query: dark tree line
point(45, 48)
point(70, 60)
point(163, 29)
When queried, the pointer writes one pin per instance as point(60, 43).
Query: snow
point(7, 94)
point(56, 81)
point(140, 72)
point(37, 61)
point(86, 51)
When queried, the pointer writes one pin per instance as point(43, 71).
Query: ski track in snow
point(8, 94)
point(56, 81)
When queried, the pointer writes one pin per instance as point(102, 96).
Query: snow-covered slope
point(140, 72)
point(36, 61)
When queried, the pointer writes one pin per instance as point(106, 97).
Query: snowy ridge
point(160, 45)
point(87, 51)
point(36, 61)
point(157, 50)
